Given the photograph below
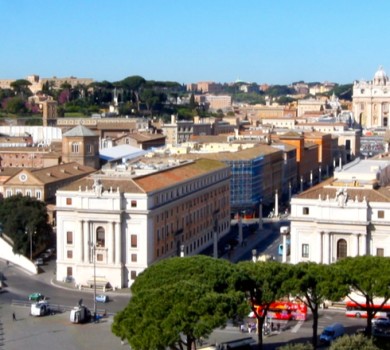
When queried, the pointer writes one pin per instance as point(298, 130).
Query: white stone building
point(348, 215)
point(371, 100)
point(121, 223)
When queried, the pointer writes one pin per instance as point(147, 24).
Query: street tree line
point(178, 301)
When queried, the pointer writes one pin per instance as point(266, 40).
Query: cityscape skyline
point(257, 41)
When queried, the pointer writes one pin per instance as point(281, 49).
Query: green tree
point(177, 301)
point(132, 86)
point(16, 105)
point(367, 276)
point(192, 103)
point(312, 284)
point(263, 283)
point(152, 98)
point(353, 342)
point(23, 214)
point(21, 87)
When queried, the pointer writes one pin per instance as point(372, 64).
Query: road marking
point(297, 327)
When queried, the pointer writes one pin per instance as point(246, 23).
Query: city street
point(35, 333)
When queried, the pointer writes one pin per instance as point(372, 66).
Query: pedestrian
point(13, 316)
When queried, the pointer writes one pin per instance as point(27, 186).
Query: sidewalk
point(249, 243)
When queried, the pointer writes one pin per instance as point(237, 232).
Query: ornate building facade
point(348, 215)
point(371, 101)
point(123, 223)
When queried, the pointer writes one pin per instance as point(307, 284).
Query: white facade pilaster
point(81, 242)
point(118, 243)
point(326, 249)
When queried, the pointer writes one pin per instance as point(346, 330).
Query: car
point(102, 298)
point(38, 262)
point(45, 256)
point(36, 296)
point(381, 321)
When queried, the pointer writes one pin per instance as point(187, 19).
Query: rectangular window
point(75, 147)
point(69, 254)
point(305, 250)
point(381, 214)
point(99, 257)
point(134, 257)
point(28, 193)
point(8, 193)
point(38, 194)
point(69, 271)
point(68, 201)
point(133, 241)
point(380, 252)
point(69, 237)
point(89, 148)
point(134, 204)
point(133, 275)
point(305, 211)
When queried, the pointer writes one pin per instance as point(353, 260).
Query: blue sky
point(274, 42)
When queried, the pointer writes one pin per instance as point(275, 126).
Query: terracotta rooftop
point(150, 182)
point(173, 176)
point(62, 171)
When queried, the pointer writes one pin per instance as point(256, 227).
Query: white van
point(332, 332)
point(41, 308)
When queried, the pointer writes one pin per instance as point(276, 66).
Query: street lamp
point(93, 249)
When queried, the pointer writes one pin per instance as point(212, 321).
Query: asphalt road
point(56, 332)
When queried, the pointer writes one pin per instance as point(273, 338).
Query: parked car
point(380, 321)
point(36, 296)
point(38, 262)
point(102, 298)
point(45, 256)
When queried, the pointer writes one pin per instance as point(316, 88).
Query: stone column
point(319, 258)
point(332, 258)
point(276, 203)
point(118, 243)
point(284, 255)
point(81, 238)
point(111, 246)
point(363, 248)
point(326, 248)
point(87, 250)
point(357, 245)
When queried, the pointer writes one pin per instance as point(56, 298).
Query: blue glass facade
point(247, 177)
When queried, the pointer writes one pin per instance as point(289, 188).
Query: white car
point(38, 262)
point(102, 298)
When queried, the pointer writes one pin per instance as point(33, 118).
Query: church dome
point(380, 77)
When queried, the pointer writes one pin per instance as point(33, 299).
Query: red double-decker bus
point(353, 309)
point(285, 310)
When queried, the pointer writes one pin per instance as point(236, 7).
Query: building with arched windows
point(371, 101)
point(115, 223)
point(347, 215)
